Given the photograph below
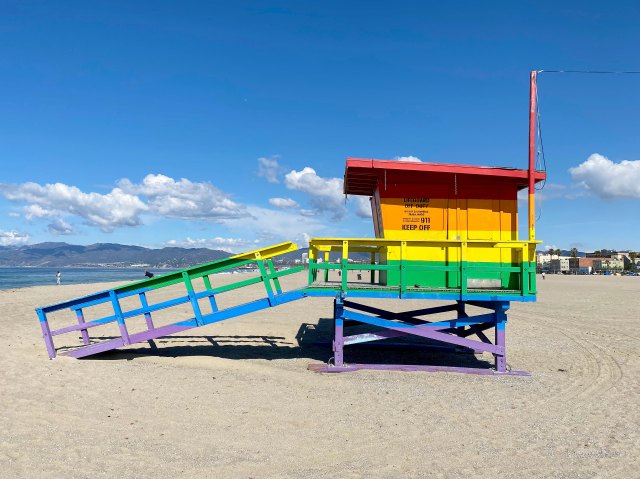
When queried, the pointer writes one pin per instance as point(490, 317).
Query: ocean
point(11, 278)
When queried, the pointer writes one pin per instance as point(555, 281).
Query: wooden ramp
point(143, 312)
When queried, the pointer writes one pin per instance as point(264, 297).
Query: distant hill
point(334, 256)
point(58, 255)
point(104, 255)
point(564, 252)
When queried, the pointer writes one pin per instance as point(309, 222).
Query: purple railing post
point(46, 333)
point(338, 339)
point(501, 322)
point(83, 332)
point(119, 318)
point(147, 314)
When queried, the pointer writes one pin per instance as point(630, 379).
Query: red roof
point(361, 175)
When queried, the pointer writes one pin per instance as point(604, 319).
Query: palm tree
point(558, 253)
point(574, 252)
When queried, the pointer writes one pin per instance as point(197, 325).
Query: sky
point(227, 124)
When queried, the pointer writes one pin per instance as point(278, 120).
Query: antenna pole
point(533, 106)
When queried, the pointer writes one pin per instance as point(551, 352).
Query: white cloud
point(363, 206)
point(60, 227)
point(269, 168)
point(607, 179)
point(230, 245)
point(157, 195)
point(13, 238)
point(106, 212)
point(326, 194)
point(283, 203)
point(184, 199)
point(413, 159)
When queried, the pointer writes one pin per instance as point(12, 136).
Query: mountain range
point(117, 255)
point(104, 255)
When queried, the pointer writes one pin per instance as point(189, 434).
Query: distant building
point(560, 265)
point(603, 265)
point(586, 265)
point(543, 258)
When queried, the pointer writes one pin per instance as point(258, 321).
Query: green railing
point(516, 277)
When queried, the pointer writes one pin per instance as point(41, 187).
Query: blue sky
point(227, 125)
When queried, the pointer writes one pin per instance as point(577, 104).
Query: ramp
point(111, 301)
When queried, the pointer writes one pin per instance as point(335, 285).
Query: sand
point(235, 399)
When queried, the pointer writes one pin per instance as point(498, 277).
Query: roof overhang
point(361, 175)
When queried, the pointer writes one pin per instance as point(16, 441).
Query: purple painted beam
point(427, 332)
point(79, 327)
point(324, 368)
point(96, 348)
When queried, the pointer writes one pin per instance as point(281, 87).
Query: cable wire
point(539, 144)
point(597, 72)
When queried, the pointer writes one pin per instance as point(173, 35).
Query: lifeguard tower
point(446, 232)
point(442, 232)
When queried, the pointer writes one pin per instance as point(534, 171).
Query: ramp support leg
point(338, 336)
point(501, 322)
point(46, 333)
point(452, 333)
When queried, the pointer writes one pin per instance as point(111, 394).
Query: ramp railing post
point(192, 298)
point(119, 318)
point(83, 332)
point(46, 333)
point(212, 298)
point(373, 271)
point(344, 265)
point(326, 262)
point(463, 269)
point(147, 314)
point(276, 281)
point(265, 277)
point(403, 268)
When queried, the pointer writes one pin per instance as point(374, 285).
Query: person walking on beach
point(58, 277)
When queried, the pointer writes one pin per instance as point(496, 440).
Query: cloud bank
point(156, 195)
point(607, 179)
point(325, 194)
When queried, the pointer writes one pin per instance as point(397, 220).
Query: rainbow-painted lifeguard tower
point(442, 232)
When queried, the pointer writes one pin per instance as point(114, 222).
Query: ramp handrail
point(262, 257)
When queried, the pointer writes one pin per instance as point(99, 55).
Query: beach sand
point(235, 399)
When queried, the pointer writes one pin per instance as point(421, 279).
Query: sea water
point(23, 277)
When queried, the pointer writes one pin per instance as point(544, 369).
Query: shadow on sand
point(313, 342)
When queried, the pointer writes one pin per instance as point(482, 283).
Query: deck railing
point(461, 268)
